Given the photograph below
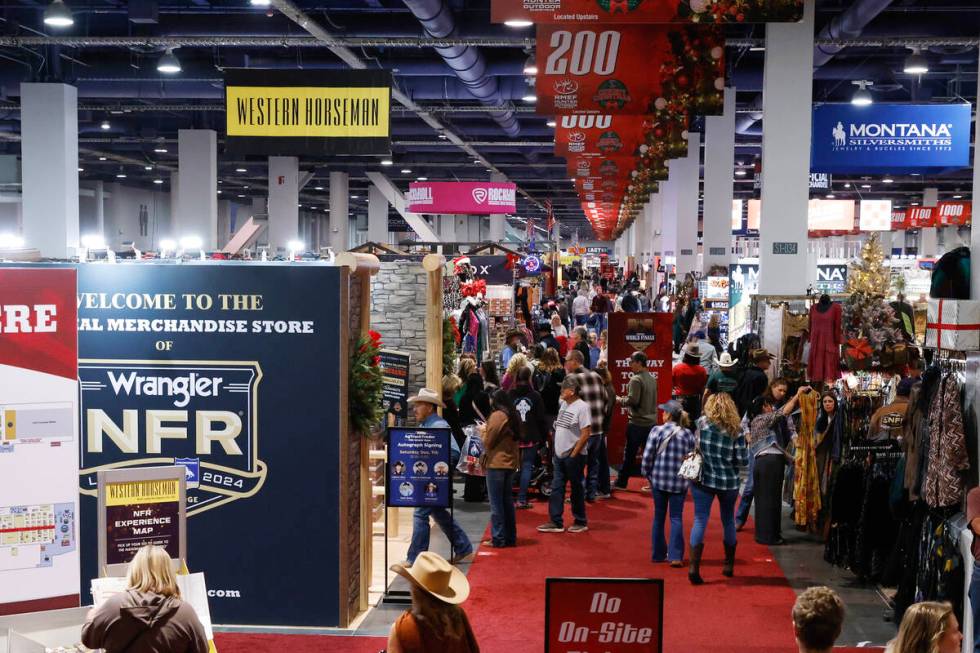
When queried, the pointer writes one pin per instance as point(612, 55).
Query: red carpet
point(749, 613)
point(272, 643)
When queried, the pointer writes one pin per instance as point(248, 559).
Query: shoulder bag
point(693, 466)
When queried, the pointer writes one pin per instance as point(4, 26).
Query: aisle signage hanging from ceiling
point(890, 137)
point(875, 215)
point(462, 197)
point(944, 214)
point(308, 113)
point(637, 11)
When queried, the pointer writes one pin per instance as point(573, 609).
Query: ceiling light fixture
point(240, 170)
point(406, 171)
point(148, 167)
point(518, 23)
point(740, 173)
point(888, 180)
point(169, 64)
point(58, 14)
point(551, 123)
point(847, 185)
point(160, 150)
point(387, 162)
point(81, 169)
point(318, 188)
point(530, 98)
point(916, 64)
point(102, 158)
point(105, 125)
point(423, 179)
point(531, 66)
point(831, 196)
point(957, 197)
point(160, 181)
point(260, 3)
point(865, 185)
point(862, 96)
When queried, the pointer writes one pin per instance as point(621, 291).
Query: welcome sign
point(890, 137)
point(462, 197)
point(288, 112)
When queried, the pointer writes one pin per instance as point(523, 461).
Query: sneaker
point(551, 527)
point(463, 558)
point(523, 506)
point(676, 564)
point(577, 528)
point(603, 495)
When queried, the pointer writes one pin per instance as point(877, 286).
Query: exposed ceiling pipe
point(329, 41)
point(847, 25)
point(467, 61)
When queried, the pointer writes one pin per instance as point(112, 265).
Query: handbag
point(471, 459)
point(692, 468)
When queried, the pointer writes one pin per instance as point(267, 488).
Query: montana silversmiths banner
point(235, 372)
point(637, 11)
point(890, 137)
point(308, 113)
point(629, 69)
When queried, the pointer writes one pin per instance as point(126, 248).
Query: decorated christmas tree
point(868, 274)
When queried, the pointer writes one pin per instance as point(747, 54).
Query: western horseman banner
point(651, 11)
point(308, 113)
point(234, 372)
point(629, 69)
point(890, 137)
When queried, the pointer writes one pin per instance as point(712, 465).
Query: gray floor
point(802, 563)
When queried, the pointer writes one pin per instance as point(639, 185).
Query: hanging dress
point(806, 483)
point(825, 340)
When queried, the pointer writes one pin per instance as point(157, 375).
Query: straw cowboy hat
point(726, 361)
point(427, 396)
point(433, 574)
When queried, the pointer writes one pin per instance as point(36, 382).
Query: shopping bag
point(472, 453)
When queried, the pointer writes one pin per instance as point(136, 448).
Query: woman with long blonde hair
point(149, 615)
point(927, 627)
point(722, 445)
point(516, 364)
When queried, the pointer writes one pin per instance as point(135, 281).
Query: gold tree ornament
point(868, 274)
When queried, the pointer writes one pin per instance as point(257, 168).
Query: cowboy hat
point(693, 350)
point(727, 361)
point(513, 333)
point(433, 574)
point(759, 355)
point(427, 396)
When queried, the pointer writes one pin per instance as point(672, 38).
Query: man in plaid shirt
point(665, 449)
point(593, 392)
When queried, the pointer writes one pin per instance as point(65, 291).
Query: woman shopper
point(724, 454)
point(500, 444)
point(474, 408)
point(149, 616)
point(435, 622)
point(534, 429)
point(927, 627)
point(491, 382)
point(548, 378)
point(665, 449)
point(558, 329)
point(770, 437)
point(450, 412)
point(517, 363)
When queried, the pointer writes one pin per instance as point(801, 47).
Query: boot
point(694, 571)
point(728, 569)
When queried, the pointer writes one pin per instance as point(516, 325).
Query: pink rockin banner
point(462, 197)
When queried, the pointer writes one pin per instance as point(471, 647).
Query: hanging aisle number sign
point(636, 11)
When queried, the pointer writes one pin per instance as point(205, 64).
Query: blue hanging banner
point(890, 137)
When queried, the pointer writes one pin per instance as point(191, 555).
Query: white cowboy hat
point(427, 396)
point(433, 574)
point(726, 360)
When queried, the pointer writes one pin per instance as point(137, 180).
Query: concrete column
point(377, 216)
point(668, 191)
point(929, 242)
point(787, 106)
point(687, 206)
point(196, 212)
point(260, 206)
point(719, 162)
point(283, 203)
point(98, 190)
point(639, 235)
point(49, 156)
point(339, 211)
point(498, 221)
point(224, 222)
point(656, 226)
point(446, 228)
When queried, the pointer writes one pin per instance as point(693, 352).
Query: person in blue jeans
point(572, 428)
point(424, 406)
point(663, 454)
point(724, 453)
point(500, 444)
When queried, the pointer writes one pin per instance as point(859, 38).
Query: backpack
point(539, 379)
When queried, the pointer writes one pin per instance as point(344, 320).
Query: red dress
point(825, 341)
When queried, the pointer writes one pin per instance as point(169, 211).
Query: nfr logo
point(200, 415)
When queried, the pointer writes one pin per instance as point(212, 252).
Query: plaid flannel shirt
point(723, 456)
point(592, 391)
point(661, 469)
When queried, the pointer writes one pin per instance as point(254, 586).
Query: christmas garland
point(364, 384)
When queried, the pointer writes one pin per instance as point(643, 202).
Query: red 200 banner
point(627, 69)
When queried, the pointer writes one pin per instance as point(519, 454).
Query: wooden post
point(364, 266)
point(433, 264)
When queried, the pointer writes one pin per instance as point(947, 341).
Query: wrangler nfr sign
point(308, 113)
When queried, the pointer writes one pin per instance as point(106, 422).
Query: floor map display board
point(234, 372)
point(38, 440)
